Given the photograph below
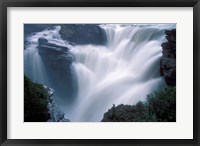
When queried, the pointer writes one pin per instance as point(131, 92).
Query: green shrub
point(159, 107)
point(163, 104)
point(35, 102)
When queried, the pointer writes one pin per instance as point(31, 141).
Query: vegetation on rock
point(159, 107)
point(35, 102)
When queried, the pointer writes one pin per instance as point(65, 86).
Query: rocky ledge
point(57, 60)
point(55, 56)
point(56, 115)
point(168, 60)
point(83, 34)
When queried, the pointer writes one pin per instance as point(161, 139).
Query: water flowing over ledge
point(123, 71)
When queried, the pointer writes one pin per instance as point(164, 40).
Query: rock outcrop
point(45, 46)
point(57, 61)
point(168, 60)
point(34, 28)
point(56, 115)
point(82, 34)
point(122, 113)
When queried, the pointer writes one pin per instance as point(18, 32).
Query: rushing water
point(122, 72)
point(33, 63)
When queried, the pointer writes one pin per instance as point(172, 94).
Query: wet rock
point(81, 34)
point(171, 35)
point(42, 41)
point(168, 60)
point(30, 29)
point(57, 61)
point(50, 91)
point(46, 47)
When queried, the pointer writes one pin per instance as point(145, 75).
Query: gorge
point(92, 67)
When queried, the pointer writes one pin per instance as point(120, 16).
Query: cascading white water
point(33, 63)
point(123, 72)
point(34, 66)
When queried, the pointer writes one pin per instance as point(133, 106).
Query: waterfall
point(33, 64)
point(124, 71)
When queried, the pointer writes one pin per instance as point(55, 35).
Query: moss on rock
point(35, 102)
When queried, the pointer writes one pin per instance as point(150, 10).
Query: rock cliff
point(168, 60)
point(82, 34)
point(57, 61)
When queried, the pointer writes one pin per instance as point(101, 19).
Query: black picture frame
point(99, 3)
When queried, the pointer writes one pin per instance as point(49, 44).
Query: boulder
point(42, 41)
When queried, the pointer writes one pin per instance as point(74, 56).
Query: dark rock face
point(168, 60)
point(81, 34)
point(42, 41)
point(54, 55)
point(32, 28)
point(171, 35)
point(57, 61)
